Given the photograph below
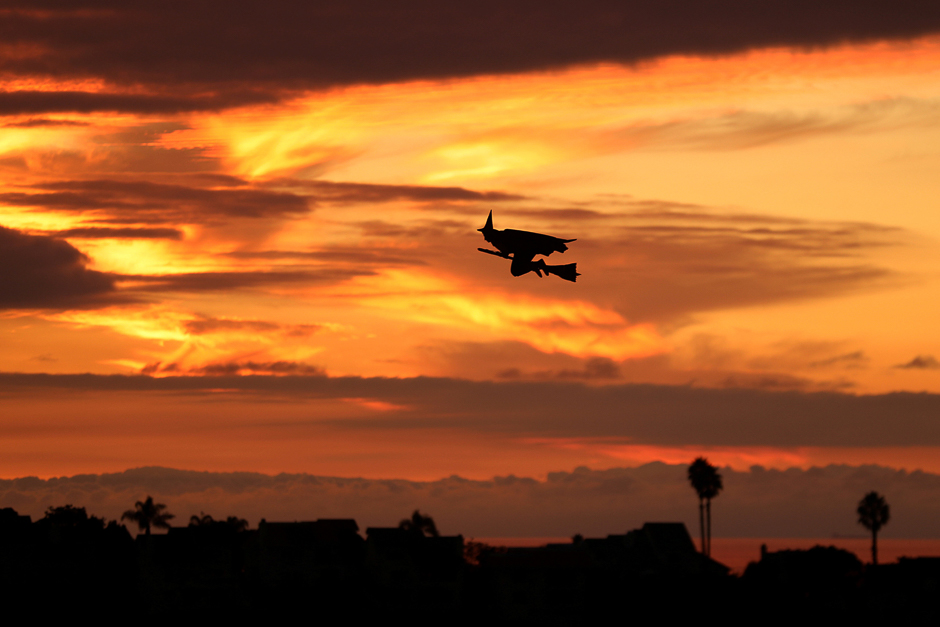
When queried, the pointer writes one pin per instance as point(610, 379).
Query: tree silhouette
point(873, 514)
point(148, 514)
point(706, 481)
point(203, 520)
point(68, 516)
point(236, 523)
point(420, 524)
point(474, 552)
point(207, 521)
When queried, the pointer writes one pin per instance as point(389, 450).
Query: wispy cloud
point(356, 255)
point(234, 368)
point(742, 130)
point(921, 362)
point(342, 192)
point(100, 232)
point(683, 260)
point(147, 201)
point(595, 369)
point(855, 359)
point(225, 281)
point(206, 324)
point(45, 122)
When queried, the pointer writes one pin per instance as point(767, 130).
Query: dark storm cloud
point(99, 232)
point(39, 272)
point(156, 201)
point(921, 362)
point(26, 102)
point(208, 54)
point(639, 414)
point(813, 503)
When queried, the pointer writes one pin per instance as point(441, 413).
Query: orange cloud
point(570, 326)
point(494, 126)
point(769, 503)
point(739, 458)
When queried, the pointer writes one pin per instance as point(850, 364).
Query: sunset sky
point(242, 236)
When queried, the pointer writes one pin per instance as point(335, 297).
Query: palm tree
point(706, 481)
point(148, 514)
point(207, 521)
point(873, 514)
point(420, 524)
point(203, 520)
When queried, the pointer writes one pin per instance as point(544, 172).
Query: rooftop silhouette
point(220, 569)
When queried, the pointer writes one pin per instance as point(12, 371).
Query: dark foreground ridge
point(325, 569)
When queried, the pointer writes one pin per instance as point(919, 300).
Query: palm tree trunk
point(874, 547)
point(701, 523)
point(708, 509)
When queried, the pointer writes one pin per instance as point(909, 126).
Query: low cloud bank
point(817, 502)
point(645, 414)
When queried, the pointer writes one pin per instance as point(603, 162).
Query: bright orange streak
point(572, 326)
point(174, 341)
point(29, 83)
point(492, 125)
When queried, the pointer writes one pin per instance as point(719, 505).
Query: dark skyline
point(242, 237)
